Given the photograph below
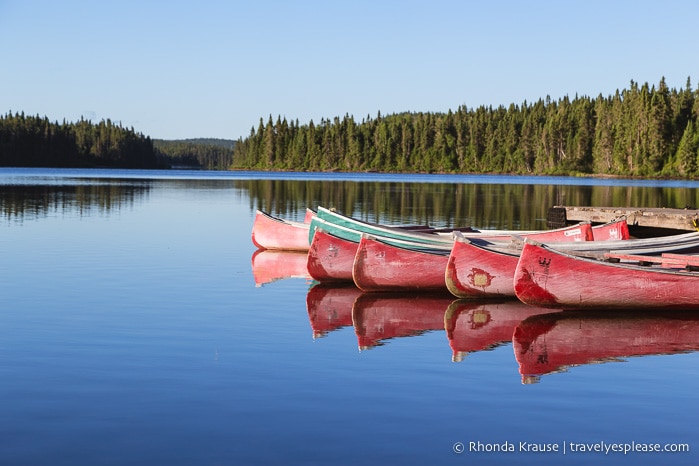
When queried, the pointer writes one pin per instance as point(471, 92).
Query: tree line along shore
point(34, 141)
point(642, 131)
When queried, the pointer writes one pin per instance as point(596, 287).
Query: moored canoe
point(479, 269)
point(554, 278)
point(270, 232)
point(330, 258)
point(383, 266)
point(342, 225)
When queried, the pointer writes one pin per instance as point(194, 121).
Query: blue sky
point(175, 69)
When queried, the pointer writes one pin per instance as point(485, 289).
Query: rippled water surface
point(137, 326)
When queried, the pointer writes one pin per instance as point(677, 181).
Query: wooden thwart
point(668, 260)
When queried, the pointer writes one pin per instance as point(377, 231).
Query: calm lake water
point(136, 329)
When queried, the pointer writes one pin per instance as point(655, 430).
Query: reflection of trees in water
point(516, 206)
point(20, 202)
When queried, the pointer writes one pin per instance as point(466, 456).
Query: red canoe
point(551, 278)
point(550, 343)
point(330, 258)
point(274, 233)
point(477, 270)
point(269, 266)
point(579, 232)
point(380, 266)
point(617, 230)
point(482, 270)
point(330, 307)
point(383, 265)
point(379, 317)
point(612, 231)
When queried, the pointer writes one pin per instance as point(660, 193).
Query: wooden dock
point(651, 218)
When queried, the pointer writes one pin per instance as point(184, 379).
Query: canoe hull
point(352, 229)
point(612, 231)
point(550, 278)
point(473, 272)
point(379, 266)
point(484, 270)
point(273, 233)
point(330, 258)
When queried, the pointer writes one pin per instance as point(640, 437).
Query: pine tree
point(687, 152)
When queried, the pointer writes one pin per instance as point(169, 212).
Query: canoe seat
point(641, 260)
point(687, 258)
point(668, 260)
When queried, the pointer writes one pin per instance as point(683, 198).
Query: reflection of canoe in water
point(270, 232)
point(549, 343)
point(330, 307)
point(269, 266)
point(476, 326)
point(378, 317)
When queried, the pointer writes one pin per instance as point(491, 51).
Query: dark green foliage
point(225, 143)
point(641, 131)
point(209, 154)
point(32, 141)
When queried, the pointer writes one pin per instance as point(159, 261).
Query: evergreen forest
point(642, 131)
point(33, 141)
point(208, 154)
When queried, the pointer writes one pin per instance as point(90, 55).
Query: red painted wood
point(330, 258)
point(633, 257)
point(580, 232)
point(546, 277)
point(475, 272)
point(612, 231)
point(379, 266)
point(680, 259)
point(273, 233)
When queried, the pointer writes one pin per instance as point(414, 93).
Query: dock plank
point(676, 219)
